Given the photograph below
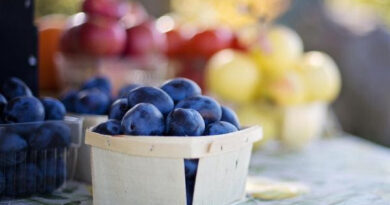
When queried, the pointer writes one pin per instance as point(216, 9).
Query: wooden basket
point(150, 170)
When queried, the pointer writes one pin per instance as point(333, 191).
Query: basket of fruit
point(92, 103)
point(276, 84)
point(171, 145)
point(118, 40)
point(38, 144)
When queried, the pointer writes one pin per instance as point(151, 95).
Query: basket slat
point(175, 147)
point(150, 170)
point(221, 178)
point(123, 179)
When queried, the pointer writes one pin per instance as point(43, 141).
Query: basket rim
point(173, 146)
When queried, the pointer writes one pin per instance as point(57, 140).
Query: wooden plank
point(123, 179)
point(175, 147)
point(221, 178)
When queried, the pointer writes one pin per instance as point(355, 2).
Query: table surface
point(340, 171)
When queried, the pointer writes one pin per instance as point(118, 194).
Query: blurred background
point(301, 68)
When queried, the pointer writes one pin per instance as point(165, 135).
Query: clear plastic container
point(151, 70)
point(83, 167)
point(37, 157)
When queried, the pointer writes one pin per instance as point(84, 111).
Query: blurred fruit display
point(360, 16)
point(230, 48)
point(239, 71)
point(50, 29)
point(231, 13)
point(114, 38)
point(273, 82)
point(278, 50)
point(46, 7)
point(320, 75)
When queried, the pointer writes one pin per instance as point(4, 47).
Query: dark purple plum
point(11, 142)
point(23, 180)
point(208, 108)
point(228, 115)
point(12, 149)
point(14, 87)
point(92, 101)
point(219, 128)
point(118, 109)
point(143, 119)
point(50, 135)
point(190, 187)
point(24, 109)
point(110, 127)
point(54, 109)
point(152, 95)
point(101, 83)
point(69, 99)
point(185, 122)
point(53, 173)
point(181, 88)
point(125, 90)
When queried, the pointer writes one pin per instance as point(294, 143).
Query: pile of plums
point(94, 97)
point(33, 140)
point(177, 108)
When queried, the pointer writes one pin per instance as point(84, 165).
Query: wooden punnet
point(150, 170)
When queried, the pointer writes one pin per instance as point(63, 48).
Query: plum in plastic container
point(37, 157)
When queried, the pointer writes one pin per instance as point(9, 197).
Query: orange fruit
point(50, 31)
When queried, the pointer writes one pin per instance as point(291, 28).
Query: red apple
point(136, 14)
point(176, 42)
point(208, 42)
point(99, 37)
point(193, 69)
point(69, 42)
point(108, 8)
point(237, 45)
point(144, 39)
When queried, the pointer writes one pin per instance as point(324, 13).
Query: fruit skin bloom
point(228, 115)
point(152, 95)
point(143, 119)
point(24, 109)
point(111, 127)
point(14, 87)
point(208, 108)
point(181, 88)
point(185, 122)
point(219, 128)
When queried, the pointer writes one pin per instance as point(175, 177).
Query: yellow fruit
point(302, 124)
point(232, 13)
point(233, 76)
point(320, 75)
point(287, 89)
point(278, 49)
point(268, 117)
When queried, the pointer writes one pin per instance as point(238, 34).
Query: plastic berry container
point(37, 157)
point(83, 167)
point(150, 169)
point(75, 70)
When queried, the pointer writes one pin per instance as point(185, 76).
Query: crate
point(29, 170)
point(150, 170)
